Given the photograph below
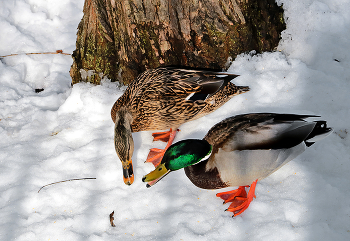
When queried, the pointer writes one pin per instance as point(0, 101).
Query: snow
point(66, 132)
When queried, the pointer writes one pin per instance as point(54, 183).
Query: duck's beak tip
point(128, 173)
point(129, 180)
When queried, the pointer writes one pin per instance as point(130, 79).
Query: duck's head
point(179, 155)
point(124, 143)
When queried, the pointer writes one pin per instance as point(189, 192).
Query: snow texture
point(66, 132)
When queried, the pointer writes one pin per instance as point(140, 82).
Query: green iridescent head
point(179, 155)
point(185, 153)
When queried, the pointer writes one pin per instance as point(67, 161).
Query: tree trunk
point(121, 39)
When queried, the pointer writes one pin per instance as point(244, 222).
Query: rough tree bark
point(120, 39)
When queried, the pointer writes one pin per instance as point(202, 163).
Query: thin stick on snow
point(76, 179)
point(57, 52)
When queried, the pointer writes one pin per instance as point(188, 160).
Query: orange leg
point(164, 136)
point(155, 155)
point(239, 199)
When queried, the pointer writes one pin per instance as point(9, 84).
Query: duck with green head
point(239, 151)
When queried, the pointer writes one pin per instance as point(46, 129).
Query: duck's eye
point(159, 169)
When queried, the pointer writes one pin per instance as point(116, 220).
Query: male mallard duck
point(165, 98)
point(239, 151)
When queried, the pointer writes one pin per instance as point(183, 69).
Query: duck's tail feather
point(319, 132)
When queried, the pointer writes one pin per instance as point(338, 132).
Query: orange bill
point(128, 172)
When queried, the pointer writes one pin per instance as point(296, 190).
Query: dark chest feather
point(204, 179)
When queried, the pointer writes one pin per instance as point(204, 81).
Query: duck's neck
point(202, 178)
point(124, 144)
point(119, 105)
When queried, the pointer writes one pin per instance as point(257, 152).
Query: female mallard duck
point(165, 98)
point(239, 151)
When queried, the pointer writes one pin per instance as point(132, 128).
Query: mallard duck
point(164, 98)
point(239, 151)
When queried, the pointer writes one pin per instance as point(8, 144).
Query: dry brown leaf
point(111, 218)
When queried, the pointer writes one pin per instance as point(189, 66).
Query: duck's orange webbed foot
point(239, 199)
point(164, 136)
point(155, 155)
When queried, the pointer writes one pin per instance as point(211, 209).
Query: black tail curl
point(320, 129)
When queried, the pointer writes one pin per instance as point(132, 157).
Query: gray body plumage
point(253, 146)
point(250, 165)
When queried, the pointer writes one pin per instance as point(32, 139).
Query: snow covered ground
point(63, 133)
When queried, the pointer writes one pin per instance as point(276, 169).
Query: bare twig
point(76, 179)
point(57, 52)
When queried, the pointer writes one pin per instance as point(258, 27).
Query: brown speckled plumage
point(157, 98)
point(164, 98)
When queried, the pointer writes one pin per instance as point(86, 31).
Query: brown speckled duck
point(164, 98)
point(239, 151)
